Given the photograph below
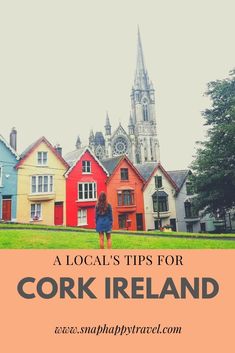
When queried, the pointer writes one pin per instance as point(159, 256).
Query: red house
point(125, 193)
point(85, 179)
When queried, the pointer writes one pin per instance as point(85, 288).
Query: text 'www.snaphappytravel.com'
point(117, 330)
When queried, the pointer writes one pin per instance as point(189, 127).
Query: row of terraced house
point(41, 187)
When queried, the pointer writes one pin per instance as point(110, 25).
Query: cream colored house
point(159, 196)
point(41, 185)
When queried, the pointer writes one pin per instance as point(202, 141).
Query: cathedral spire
point(140, 67)
point(141, 75)
point(91, 137)
point(78, 143)
point(107, 125)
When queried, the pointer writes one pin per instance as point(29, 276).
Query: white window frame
point(86, 165)
point(94, 191)
point(35, 212)
point(1, 175)
point(82, 217)
point(42, 159)
point(50, 184)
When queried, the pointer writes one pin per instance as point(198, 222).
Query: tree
point(214, 165)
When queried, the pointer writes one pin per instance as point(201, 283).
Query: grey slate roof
point(146, 169)
point(179, 176)
point(99, 138)
point(73, 156)
point(111, 163)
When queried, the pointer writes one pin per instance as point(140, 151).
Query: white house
point(159, 196)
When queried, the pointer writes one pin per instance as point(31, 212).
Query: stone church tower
point(140, 143)
point(143, 117)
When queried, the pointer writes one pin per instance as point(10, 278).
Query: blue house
point(8, 178)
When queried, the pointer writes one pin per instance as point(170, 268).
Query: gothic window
point(99, 152)
point(145, 110)
point(120, 146)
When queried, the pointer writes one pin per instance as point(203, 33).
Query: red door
point(58, 217)
point(6, 209)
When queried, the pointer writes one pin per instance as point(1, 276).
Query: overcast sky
point(64, 63)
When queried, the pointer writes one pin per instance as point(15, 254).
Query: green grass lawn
point(74, 229)
point(49, 239)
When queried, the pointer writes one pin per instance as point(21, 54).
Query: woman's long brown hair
point(102, 203)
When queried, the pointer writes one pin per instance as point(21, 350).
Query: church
point(140, 142)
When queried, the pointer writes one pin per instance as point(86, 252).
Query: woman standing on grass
point(104, 220)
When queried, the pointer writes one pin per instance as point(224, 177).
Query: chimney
point(58, 149)
point(13, 138)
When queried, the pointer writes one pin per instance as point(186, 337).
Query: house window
point(87, 191)
point(126, 198)
point(82, 217)
point(42, 158)
point(122, 218)
point(158, 182)
point(160, 203)
point(190, 211)
point(124, 174)
point(41, 184)
point(189, 188)
point(36, 212)
point(1, 175)
point(86, 166)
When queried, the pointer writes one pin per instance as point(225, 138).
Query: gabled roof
point(72, 158)
point(120, 131)
point(179, 176)
point(112, 163)
point(31, 148)
point(148, 170)
point(8, 146)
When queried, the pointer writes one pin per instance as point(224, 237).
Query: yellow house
point(41, 185)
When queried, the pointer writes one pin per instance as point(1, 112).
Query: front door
point(157, 224)
point(173, 224)
point(59, 211)
point(6, 209)
point(139, 221)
